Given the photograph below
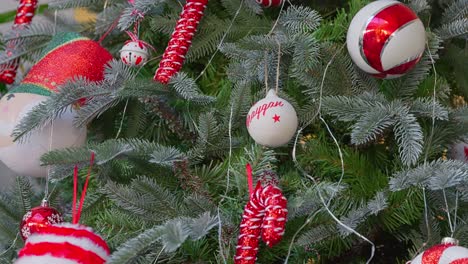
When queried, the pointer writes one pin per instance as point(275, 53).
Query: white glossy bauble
point(23, 157)
point(134, 53)
point(272, 121)
point(446, 253)
point(386, 39)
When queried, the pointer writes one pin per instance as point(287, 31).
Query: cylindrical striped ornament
point(64, 244)
point(24, 15)
point(264, 215)
point(446, 253)
point(386, 39)
point(269, 3)
point(181, 40)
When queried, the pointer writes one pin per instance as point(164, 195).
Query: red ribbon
point(76, 214)
point(141, 43)
point(248, 168)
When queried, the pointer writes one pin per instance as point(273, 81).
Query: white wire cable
point(299, 167)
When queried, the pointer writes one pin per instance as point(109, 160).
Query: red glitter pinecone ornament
point(38, 218)
point(264, 215)
point(181, 40)
point(24, 15)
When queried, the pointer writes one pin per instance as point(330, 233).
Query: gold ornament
point(458, 101)
point(83, 15)
point(444, 154)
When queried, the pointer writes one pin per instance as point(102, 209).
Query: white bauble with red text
point(272, 121)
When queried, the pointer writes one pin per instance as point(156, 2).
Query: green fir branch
point(455, 29)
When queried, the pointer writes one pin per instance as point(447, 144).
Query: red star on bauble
point(276, 118)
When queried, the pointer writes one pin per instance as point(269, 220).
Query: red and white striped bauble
point(268, 3)
point(64, 244)
point(386, 39)
point(446, 253)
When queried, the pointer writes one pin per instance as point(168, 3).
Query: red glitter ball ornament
point(446, 253)
point(264, 215)
point(181, 40)
point(38, 218)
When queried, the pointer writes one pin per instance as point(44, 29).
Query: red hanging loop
point(76, 214)
point(248, 168)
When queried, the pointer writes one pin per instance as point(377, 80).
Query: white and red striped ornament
point(24, 15)
point(459, 151)
point(264, 215)
point(64, 244)
point(446, 253)
point(181, 40)
point(270, 3)
point(386, 39)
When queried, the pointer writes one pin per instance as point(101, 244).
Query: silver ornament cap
point(449, 240)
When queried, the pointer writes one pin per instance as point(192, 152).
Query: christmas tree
point(375, 171)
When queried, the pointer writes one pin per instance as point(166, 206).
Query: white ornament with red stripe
point(272, 121)
point(134, 53)
point(64, 244)
point(269, 3)
point(459, 151)
point(386, 39)
point(446, 253)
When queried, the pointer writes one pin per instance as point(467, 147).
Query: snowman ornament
point(272, 121)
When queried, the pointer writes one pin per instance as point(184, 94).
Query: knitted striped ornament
point(181, 40)
point(264, 215)
point(64, 244)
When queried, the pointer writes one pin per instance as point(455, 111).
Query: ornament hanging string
point(116, 21)
point(76, 213)
point(278, 66)
point(431, 135)
point(51, 137)
point(141, 43)
point(111, 28)
point(228, 174)
point(266, 72)
point(314, 181)
point(46, 188)
point(452, 225)
point(221, 42)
